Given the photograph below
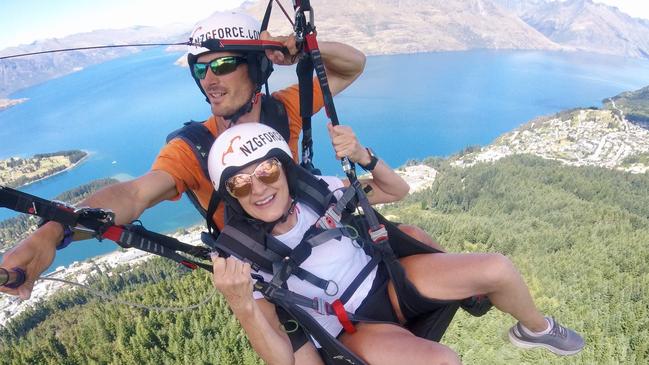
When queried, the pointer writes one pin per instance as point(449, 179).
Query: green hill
point(634, 104)
point(577, 234)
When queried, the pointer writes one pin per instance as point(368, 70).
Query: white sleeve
point(334, 183)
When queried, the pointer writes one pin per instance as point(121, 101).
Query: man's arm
point(387, 185)
point(128, 200)
point(343, 63)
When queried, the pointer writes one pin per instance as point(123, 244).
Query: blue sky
point(23, 21)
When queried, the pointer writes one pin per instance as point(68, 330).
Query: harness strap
point(29, 204)
point(230, 233)
point(343, 318)
point(351, 289)
point(333, 214)
point(199, 139)
point(290, 265)
point(304, 71)
point(136, 236)
point(215, 199)
point(266, 20)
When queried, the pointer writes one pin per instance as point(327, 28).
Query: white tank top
point(339, 261)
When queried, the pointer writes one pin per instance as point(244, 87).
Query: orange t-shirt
point(178, 159)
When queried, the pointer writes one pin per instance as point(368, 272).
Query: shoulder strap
point(304, 71)
point(311, 190)
point(273, 114)
point(199, 139)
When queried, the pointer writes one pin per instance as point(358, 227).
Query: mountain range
point(23, 72)
point(584, 25)
point(379, 27)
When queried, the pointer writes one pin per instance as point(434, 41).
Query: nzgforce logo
point(199, 36)
point(254, 143)
point(230, 149)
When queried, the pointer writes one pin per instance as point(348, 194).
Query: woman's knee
point(444, 355)
point(499, 270)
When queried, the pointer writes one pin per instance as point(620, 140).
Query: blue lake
point(404, 106)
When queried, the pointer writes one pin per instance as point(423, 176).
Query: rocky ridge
point(410, 26)
point(585, 25)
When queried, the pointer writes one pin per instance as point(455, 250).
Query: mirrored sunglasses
point(240, 185)
point(219, 66)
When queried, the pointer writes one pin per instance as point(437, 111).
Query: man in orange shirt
point(233, 97)
point(229, 62)
point(230, 71)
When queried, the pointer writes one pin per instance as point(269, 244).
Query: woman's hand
point(232, 278)
point(346, 144)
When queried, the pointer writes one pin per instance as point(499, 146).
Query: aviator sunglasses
point(219, 66)
point(240, 185)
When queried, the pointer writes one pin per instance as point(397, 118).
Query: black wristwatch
point(373, 161)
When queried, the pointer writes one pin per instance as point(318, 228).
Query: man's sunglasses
point(240, 185)
point(219, 66)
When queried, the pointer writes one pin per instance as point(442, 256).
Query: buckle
point(379, 234)
point(330, 218)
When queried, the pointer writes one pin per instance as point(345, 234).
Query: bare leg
point(390, 344)
point(308, 355)
point(420, 235)
point(457, 276)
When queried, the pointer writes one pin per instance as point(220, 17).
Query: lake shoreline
point(84, 159)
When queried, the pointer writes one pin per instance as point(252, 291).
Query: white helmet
point(232, 32)
point(241, 145)
point(226, 31)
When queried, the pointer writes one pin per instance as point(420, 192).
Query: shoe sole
point(530, 345)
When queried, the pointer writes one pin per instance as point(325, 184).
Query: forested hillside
point(577, 234)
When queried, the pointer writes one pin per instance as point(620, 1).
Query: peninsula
point(16, 171)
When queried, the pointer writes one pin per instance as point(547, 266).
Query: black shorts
point(377, 306)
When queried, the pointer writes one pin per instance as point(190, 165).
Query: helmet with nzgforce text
point(231, 32)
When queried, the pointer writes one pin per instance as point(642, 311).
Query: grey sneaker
point(560, 340)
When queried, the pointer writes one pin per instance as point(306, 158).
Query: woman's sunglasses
point(240, 185)
point(219, 66)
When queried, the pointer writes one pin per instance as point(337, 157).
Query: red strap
point(339, 309)
point(188, 264)
point(252, 42)
point(113, 233)
point(311, 42)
